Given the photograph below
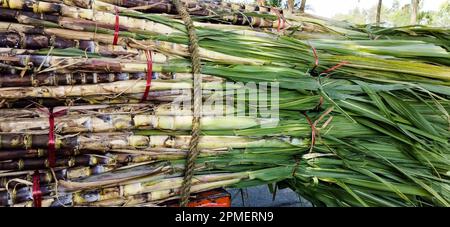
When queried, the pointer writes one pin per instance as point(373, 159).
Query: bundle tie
point(37, 194)
point(194, 150)
point(340, 64)
point(313, 131)
point(148, 55)
point(297, 164)
point(51, 133)
point(320, 103)
point(313, 71)
point(116, 27)
point(279, 16)
point(314, 124)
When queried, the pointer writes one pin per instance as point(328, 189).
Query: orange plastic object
point(212, 198)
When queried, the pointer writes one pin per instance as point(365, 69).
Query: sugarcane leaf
point(417, 181)
point(409, 113)
point(389, 185)
point(375, 98)
point(364, 110)
point(347, 189)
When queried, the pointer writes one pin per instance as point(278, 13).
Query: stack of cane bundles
point(96, 107)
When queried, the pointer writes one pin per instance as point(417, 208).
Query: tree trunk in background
point(261, 2)
point(290, 5)
point(380, 3)
point(414, 11)
point(302, 6)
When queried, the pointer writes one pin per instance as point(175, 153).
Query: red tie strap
point(316, 57)
point(342, 63)
point(148, 55)
point(279, 19)
point(37, 194)
point(313, 125)
point(51, 134)
point(116, 27)
point(320, 103)
point(316, 63)
point(313, 131)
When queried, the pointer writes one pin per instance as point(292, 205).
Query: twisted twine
point(195, 135)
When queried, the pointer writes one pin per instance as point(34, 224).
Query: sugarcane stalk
point(34, 41)
point(122, 122)
point(160, 46)
point(42, 163)
point(46, 176)
point(159, 189)
point(39, 62)
point(32, 153)
point(226, 12)
point(135, 157)
point(87, 25)
point(118, 177)
point(201, 183)
point(88, 47)
point(21, 195)
point(158, 196)
point(77, 110)
point(162, 109)
point(74, 12)
point(51, 20)
point(14, 79)
point(154, 96)
point(112, 89)
point(54, 79)
point(125, 141)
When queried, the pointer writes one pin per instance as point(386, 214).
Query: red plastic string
point(116, 27)
point(37, 194)
point(316, 62)
point(284, 23)
point(148, 54)
point(279, 19)
point(51, 134)
point(313, 130)
point(297, 163)
point(336, 66)
point(316, 57)
point(320, 103)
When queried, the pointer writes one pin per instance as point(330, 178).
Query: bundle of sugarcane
point(297, 25)
point(378, 136)
point(347, 155)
